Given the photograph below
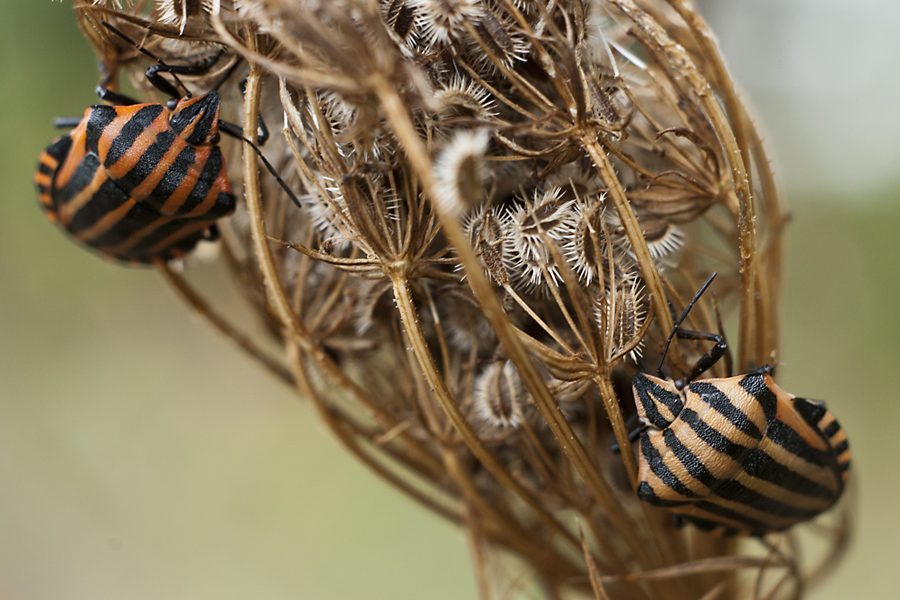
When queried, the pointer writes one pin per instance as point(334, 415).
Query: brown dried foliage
point(498, 199)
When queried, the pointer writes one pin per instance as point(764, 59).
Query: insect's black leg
point(162, 84)
point(66, 122)
point(763, 370)
point(211, 234)
point(263, 134)
point(680, 320)
point(707, 360)
point(633, 435)
point(153, 73)
point(668, 341)
point(107, 95)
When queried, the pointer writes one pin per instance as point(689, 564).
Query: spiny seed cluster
point(497, 201)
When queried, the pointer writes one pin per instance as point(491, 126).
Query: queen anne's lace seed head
point(562, 139)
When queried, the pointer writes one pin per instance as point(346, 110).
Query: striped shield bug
point(143, 183)
point(736, 455)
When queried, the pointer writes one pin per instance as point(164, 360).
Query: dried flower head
point(498, 201)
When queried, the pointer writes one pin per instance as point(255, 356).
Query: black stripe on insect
point(735, 455)
point(144, 183)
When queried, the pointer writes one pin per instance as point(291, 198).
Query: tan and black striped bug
point(737, 455)
point(143, 183)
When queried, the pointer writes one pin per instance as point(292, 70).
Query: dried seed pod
point(499, 397)
point(663, 238)
point(179, 12)
point(621, 312)
point(531, 226)
point(401, 17)
point(498, 42)
point(443, 21)
point(488, 234)
point(459, 171)
point(465, 97)
point(586, 244)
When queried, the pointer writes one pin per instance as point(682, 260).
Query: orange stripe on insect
point(148, 185)
point(84, 196)
point(106, 223)
point(76, 153)
point(112, 134)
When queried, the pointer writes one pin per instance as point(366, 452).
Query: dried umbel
point(498, 201)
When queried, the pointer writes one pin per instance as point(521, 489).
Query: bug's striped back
point(128, 184)
point(739, 454)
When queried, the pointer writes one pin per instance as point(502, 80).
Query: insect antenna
point(237, 132)
point(680, 320)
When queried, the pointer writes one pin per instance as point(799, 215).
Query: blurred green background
point(143, 457)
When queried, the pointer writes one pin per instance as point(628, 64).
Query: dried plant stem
point(445, 398)
point(202, 308)
point(616, 193)
point(397, 115)
point(478, 555)
point(339, 428)
point(296, 334)
point(650, 31)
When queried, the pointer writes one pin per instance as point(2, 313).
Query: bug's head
point(196, 120)
point(658, 401)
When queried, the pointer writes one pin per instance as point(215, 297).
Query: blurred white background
point(824, 76)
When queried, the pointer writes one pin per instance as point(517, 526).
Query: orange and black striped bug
point(143, 183)
point(737, 455)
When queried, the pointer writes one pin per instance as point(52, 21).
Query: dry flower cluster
point(497, 201)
